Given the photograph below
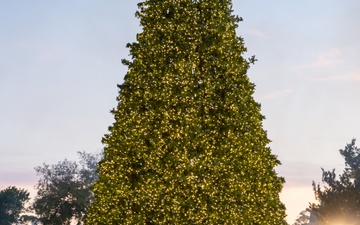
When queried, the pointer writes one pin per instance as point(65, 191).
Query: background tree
point(306, 217)
point(12, 203)
point(187, 145)
point(64, 189)
point(339, 199)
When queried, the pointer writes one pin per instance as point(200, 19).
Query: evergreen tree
point(187, 145)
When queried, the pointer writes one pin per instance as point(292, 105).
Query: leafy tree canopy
point(64, 189)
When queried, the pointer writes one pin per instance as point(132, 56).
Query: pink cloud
point(355, 77)
point(256, 33)
point(275, 95)
point(326, 59)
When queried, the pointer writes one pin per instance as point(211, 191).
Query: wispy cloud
point(355, 77)
point(275, 95)
point(327, 59)
point(255, 33)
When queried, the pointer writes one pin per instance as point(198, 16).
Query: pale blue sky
point(60, 63)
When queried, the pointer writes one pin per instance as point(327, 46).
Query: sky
point(60, 62)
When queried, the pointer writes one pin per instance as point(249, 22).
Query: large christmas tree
point(187, 145)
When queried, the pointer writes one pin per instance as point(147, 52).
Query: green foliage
point(339, 199)
point(187, 145)
point(64, 189)
point(12, 203)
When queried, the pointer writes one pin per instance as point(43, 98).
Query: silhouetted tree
point(187, 145)
point(339, 199)
point(12, 203)
point(64, 189)
point(306, 217)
